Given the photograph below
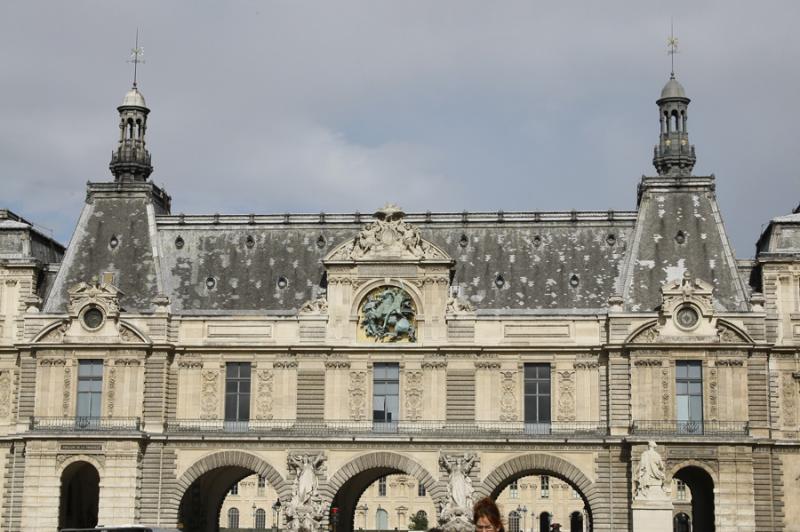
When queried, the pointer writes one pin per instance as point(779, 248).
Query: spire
point(673, 156)
point(131, 160)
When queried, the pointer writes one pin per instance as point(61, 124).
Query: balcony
point(689, 428)
point(403, 429)
point(85, 424)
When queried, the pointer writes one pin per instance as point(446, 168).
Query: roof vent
point(574, 281)
point(463, 241)
point(537, 241)
point(179, 242)
point(321, 242)
point(680, 238)
point(499, 281)
point(611, 239)
point(249, 242)
point(114, 242)
point(283, 282)
point(211, 283)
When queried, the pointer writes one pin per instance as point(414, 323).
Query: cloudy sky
point(294, 106)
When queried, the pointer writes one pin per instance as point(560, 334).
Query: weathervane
point(137, 56)
point(672, 45)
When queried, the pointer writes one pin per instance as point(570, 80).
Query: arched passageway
point(80, 495)
point(210, 480)
point(701, 486)
point(346, 487)
point(540, 468)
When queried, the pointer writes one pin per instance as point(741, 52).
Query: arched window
point(233, 518)
point(576, 522)
point(261, 519)
point(513, 521)
point(674, 121)
point(681, 523)
point(381, 519)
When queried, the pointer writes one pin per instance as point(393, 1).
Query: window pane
point(683, 408)
point(544, 387)
point(681, 388)
point(244, 370)
point(695, 388)
point(694, 370)
point(695, 409)
point(680, 370)
point(244, 408)
point(544, 409)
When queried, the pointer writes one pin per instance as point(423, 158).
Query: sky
point(451, 105)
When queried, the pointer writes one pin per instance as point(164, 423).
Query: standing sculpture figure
point(460, 486)
point(306, 477)
point(650, 475)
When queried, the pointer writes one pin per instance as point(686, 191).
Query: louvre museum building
point(161, 363)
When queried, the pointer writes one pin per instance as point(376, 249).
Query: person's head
point(486, 516)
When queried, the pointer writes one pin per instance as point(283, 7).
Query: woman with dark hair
point(486, 516)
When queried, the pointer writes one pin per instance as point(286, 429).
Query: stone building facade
point(163, 357)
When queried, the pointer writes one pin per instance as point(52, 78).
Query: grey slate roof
point(536, 259)
point(549, 262)
point(679, 229)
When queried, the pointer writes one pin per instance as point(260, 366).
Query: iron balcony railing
point(674, 427)
point(86, 424)
point(476, 429)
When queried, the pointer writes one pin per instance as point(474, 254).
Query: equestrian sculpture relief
point(387, 314)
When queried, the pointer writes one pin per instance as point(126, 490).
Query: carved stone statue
point(456, 512)
point(316, 306)
point(650, 475)
point(388, 236)
point(305, 510)
point(457, 305)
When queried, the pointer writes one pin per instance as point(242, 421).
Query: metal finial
point(672, 45)
point(137, 56)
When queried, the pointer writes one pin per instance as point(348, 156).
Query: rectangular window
point(237, 391)
point(689, 394)
point(537, 397)
point(421, 492)
point(235, 489)
point(385, 392)
point(382, 487)
point(681, 489)
point(90, 388)
point(513, 490)
point(262, 485)
point(545, 487)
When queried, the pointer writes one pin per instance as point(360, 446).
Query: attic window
point(250, 242)
point(321, 242)
point(211, 283)
point(463, 241)
point(574, 281)
point(537, 241)
point(179, 242)
point(283, 282)
point(611, 239)
point(680, 238)
point(499, 281)
point(114, 242)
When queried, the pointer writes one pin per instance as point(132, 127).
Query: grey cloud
point(300, 106)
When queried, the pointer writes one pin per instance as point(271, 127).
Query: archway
point(208, 482)
point(80, 495)
point(576, 522)
point(701, 486)
point(544, 466)
point(346, 487)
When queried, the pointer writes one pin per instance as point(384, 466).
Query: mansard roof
point(547, 261)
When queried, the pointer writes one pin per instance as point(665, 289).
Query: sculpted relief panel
point(387, 314)
point(209, 391)
point(566, 395)
point(414, 390)
point(358, 395)
point(508, 397)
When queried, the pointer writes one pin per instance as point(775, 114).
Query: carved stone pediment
point(685, 290)
point(389, 237)
point(101, 294)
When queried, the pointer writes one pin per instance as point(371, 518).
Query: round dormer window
point(93, 318)
point(687, 317)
